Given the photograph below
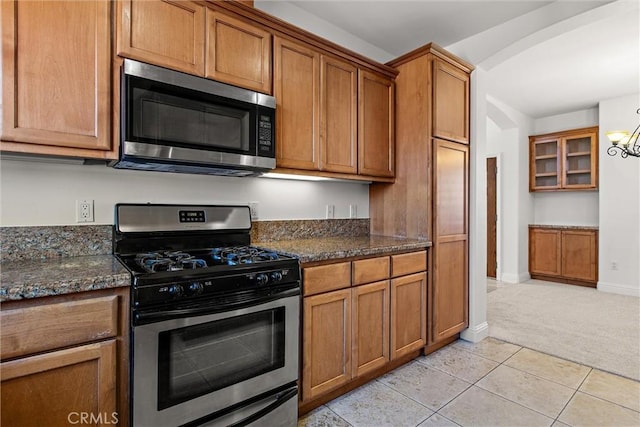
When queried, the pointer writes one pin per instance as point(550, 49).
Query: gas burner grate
point(153, 262)
point(241, 255)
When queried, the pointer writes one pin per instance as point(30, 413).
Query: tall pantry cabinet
point(429, 198)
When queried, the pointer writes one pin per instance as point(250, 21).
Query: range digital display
point(192, 216)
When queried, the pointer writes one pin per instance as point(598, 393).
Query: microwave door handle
point(201, 309)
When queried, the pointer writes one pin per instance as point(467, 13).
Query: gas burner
point(153, 262)
point(241, 255)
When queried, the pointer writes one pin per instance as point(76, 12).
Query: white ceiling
point(541, 57)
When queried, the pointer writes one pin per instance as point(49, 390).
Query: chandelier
point(624, 141)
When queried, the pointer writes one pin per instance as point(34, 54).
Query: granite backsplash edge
point(44, 242)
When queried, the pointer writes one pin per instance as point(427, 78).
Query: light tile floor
point(491, 383)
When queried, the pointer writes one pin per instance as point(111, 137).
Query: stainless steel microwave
point(175, 122)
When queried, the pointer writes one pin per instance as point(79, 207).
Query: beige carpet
point(598, 329)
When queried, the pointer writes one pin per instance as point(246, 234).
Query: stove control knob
point(195, 288)
point(276, 276)
point(176, 291)
point(262, 279)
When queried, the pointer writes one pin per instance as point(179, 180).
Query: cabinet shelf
point(538, 175)
point(547, 156)
point(579, 153)
point(579, 171)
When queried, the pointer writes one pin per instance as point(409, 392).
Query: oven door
point(193, 363)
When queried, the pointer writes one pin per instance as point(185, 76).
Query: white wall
point(507, 137)
point(571, 207)
point(44, 193)
point(478, 328)
point(572, 120)
point(619, 227)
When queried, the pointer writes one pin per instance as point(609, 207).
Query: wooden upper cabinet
point(296, 82)
point(56, 73)
point(564, 160)
point(338, 115)
point(163, 32)
point(376, 102)
point(450, 102)
point(238, 53)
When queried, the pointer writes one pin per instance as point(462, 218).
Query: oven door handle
point(212, 307)
point(280, 400)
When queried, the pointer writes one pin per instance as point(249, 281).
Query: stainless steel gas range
point(215, 321)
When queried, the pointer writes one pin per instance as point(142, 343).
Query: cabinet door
point(408, 314)
point(375, 125)
point(326, 336)
point(580, 168)
point(450, 102)
point(238, 53)
point(545, 251)
point(56, 77)
point(168, 33)
point(338, 115)
point(544, 164)
point(450, 240)
point(296, 80)
point(580, 255)
point(370, 327)
point(53, 388)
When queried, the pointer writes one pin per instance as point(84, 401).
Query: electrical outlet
point(253, 208)
point(614, 265)
point(331, 211)
point(84, 210)
point(353, 211)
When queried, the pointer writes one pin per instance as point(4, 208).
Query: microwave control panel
point(265, 133)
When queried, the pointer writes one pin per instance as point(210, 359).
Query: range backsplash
point(41, 242)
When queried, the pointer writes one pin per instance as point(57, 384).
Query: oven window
point(196, 360)
point(157, 114)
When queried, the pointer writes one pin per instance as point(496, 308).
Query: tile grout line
point(337, 415)
point(573, 395)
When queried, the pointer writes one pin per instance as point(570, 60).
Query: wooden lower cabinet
point(359, 331)
point(450, 279)
point(567, 255)
point(65, 357)
point(326, 342)
point(408, 314)
point(56, 388)
point(545, 252)
point(370, 326)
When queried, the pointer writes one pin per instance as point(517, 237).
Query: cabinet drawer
point(49, 326)
point(413, 262)
point(325, 278)
point(370, 270)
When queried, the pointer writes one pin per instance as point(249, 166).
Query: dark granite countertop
point(58, 276)
point(23, 279)
point(321, 249)
point(565, 227)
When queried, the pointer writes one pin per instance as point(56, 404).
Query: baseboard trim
point(616, 288)
point(476, 333)
point(515, 278)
